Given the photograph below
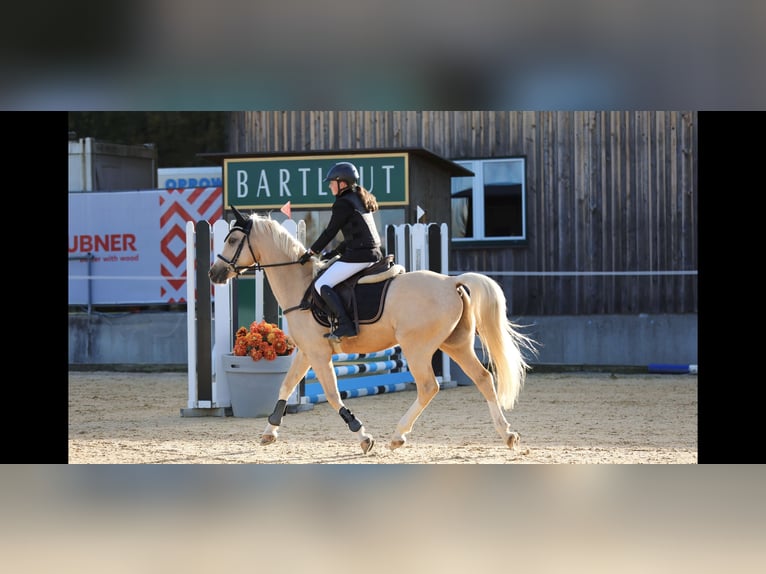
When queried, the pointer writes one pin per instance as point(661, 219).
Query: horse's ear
point(240, 219)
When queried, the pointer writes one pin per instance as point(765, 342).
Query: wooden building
point(609, 197)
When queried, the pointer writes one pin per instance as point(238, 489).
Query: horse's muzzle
point(219, 273)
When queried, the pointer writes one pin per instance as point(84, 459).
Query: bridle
point(232, 263)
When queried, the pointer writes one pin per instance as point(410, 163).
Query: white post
point(403, 258)
point(222, 324)
point(418, 247)
point(292, 227)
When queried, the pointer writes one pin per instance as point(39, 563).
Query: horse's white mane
point(282, 238)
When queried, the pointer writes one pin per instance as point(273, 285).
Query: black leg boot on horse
point(346, 327)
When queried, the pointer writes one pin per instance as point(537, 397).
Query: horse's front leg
point(329, 381)
point(297, 371)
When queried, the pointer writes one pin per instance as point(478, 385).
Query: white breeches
point(339, 271)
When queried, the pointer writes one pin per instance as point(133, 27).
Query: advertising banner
point(130, 247)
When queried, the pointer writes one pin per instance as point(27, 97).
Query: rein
point(258, 266)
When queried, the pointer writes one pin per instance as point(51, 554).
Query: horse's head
point(237, 254)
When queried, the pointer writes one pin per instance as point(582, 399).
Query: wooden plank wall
point(607, 191)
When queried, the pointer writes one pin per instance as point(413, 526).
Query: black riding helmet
point(343, 171)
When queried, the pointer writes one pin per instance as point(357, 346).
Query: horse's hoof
point(396, 444)
point(268, 439)
point(513, 440)
point(367, 444)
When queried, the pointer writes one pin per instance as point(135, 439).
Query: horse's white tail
point(500, 339)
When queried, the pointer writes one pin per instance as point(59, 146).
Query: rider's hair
point(369, 200)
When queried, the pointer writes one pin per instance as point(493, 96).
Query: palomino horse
point(424, 311)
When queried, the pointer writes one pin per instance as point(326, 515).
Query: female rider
point(352, 214)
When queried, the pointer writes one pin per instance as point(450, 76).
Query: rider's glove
point(305, 257)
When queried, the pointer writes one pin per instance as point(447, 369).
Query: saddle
point(363, 294)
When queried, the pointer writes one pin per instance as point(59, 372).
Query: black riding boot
point(346, 327)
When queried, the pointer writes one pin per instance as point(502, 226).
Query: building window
point(491, 205)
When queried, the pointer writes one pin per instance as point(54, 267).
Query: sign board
point(185, 177)
point(130, 247)
point(269, 183)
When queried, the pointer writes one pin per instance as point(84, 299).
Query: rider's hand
point(305, 257)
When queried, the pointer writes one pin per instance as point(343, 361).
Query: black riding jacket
point(361, 241)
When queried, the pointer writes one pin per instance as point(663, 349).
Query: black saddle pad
point(370, 301)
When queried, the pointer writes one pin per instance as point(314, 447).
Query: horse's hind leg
point(466, 358)
point(427, 387)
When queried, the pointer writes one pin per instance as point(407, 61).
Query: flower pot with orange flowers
point(260, 360)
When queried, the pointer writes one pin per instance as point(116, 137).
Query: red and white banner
point(130, 247)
